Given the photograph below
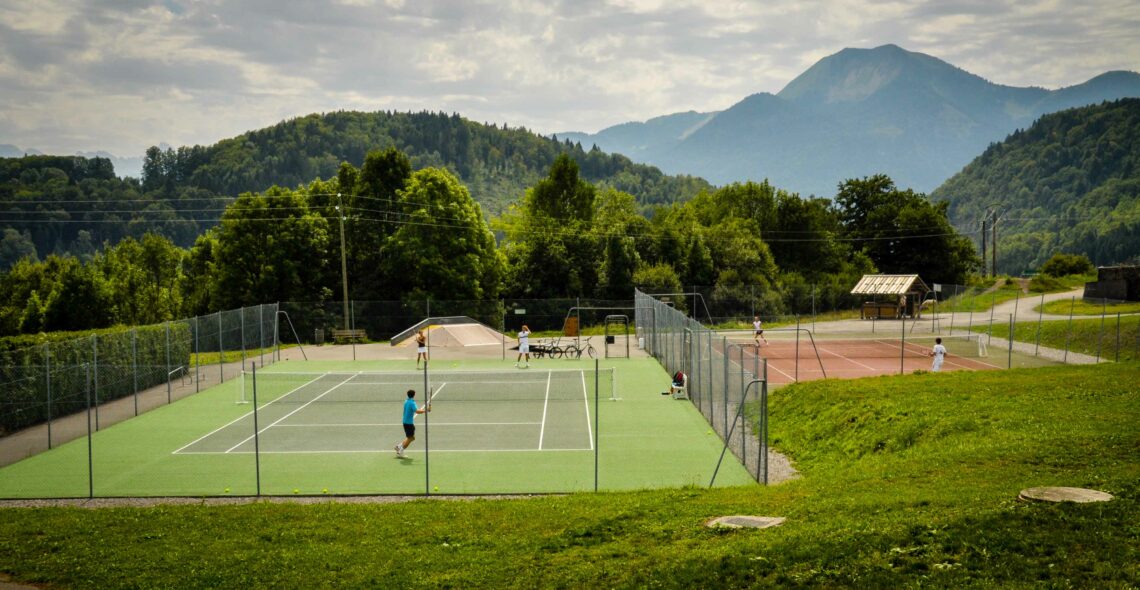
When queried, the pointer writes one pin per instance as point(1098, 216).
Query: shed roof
point(889, 285)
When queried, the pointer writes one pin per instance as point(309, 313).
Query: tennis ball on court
point(296, 491)
point(227, 490)
point(437, 488)
point(325, 491)
point(709, 432)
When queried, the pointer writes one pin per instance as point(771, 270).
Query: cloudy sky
point(122, 75)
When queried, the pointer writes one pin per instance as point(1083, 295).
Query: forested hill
point(496, 164)
point(1070, 183)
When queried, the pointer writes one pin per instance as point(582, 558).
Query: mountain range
point(856, 113)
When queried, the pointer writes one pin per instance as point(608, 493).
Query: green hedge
point(46, 376)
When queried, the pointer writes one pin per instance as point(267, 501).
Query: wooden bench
point(348, 336)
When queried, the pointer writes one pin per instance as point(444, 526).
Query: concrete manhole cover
point(1055, 494)
point(751, 522)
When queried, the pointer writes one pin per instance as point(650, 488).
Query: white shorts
point(421, 349)
point(524, 348)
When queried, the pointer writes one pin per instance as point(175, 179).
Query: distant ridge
point(855, 113)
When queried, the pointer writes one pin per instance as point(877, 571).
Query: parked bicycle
point(575, 350)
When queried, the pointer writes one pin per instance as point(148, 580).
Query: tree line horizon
point(412, 235)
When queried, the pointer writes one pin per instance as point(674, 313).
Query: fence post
point(1100, 332)
point(1069, 329)
point(797, 377)
point(1117, 359)
point(1009, 359)
point(197, 358)
point(168, 396)
point(242, 323)
point(221, 352)
point(135, 366)
point(47, 375)
point(1040, 316)
point(902, 348)
point(95, 373)
point(90, 451)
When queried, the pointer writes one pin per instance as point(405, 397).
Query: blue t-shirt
point(410, 411)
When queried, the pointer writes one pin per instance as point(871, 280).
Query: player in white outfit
point(939, 354)
point(524, 346)
point(758, 330)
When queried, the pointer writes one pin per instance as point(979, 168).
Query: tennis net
point(449, 386)
point(782, 347)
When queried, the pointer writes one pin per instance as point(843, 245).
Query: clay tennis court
point(850, 357)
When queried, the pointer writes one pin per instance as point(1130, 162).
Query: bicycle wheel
point(555, 352)
point(593, 352)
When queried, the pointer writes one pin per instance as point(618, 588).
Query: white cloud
point(88, 74)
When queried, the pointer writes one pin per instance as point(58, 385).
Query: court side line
point(396, 424)
point(586, 402)
point(432, 396)
point(299, 408)
point(232, 422)
point(850, 360)
point(545, 404)
point(777, 369)
point(947, 360)
point(414, 452)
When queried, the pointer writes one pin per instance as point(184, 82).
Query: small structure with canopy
point(890, 296)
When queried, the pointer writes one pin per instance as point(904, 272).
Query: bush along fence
point(45, 382)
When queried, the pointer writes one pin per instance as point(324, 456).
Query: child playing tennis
point(410, 411)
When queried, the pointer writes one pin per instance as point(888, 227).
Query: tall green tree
point(143, 277)
point(552, 249)
point(271, 247)
point(902, 232)
point(443, 247)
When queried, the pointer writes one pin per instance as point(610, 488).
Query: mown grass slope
point(906, 481)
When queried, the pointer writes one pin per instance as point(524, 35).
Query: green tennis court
point(330, 427)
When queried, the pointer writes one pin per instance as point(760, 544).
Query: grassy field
point(1081, 307)
point(1093, 337)
point(906, 481)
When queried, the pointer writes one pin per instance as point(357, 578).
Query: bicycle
point(575, 350)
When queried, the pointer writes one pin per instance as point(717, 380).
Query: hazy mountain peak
point(855, 75)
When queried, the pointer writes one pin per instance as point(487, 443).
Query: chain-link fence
point(41, 384)
point(722, 377)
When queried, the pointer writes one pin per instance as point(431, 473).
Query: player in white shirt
point(758, 330)
point(524, 346)
point(939, 354)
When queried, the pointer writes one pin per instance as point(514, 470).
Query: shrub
point(1067, 264)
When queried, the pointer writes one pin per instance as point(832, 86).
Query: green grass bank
point(907, 481)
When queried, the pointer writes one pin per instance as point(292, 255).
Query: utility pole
point(993, 241)
point(987, 214)
point(343, 260)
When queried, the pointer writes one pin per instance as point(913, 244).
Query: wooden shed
point(890, 296)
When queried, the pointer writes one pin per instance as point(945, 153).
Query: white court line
point(545, 404)
point(586, 401)
point(299, 408)
point(850, 360)
point(235, 420)
point(777, 369)
point(414, 452)
point(433, 424)
point(947, 360)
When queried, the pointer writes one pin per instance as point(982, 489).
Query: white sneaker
point(516, 365)
point(399, 450)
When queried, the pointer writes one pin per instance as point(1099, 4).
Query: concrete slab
point(1063, 494)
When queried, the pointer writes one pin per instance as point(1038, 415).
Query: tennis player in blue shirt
point(410, 411)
